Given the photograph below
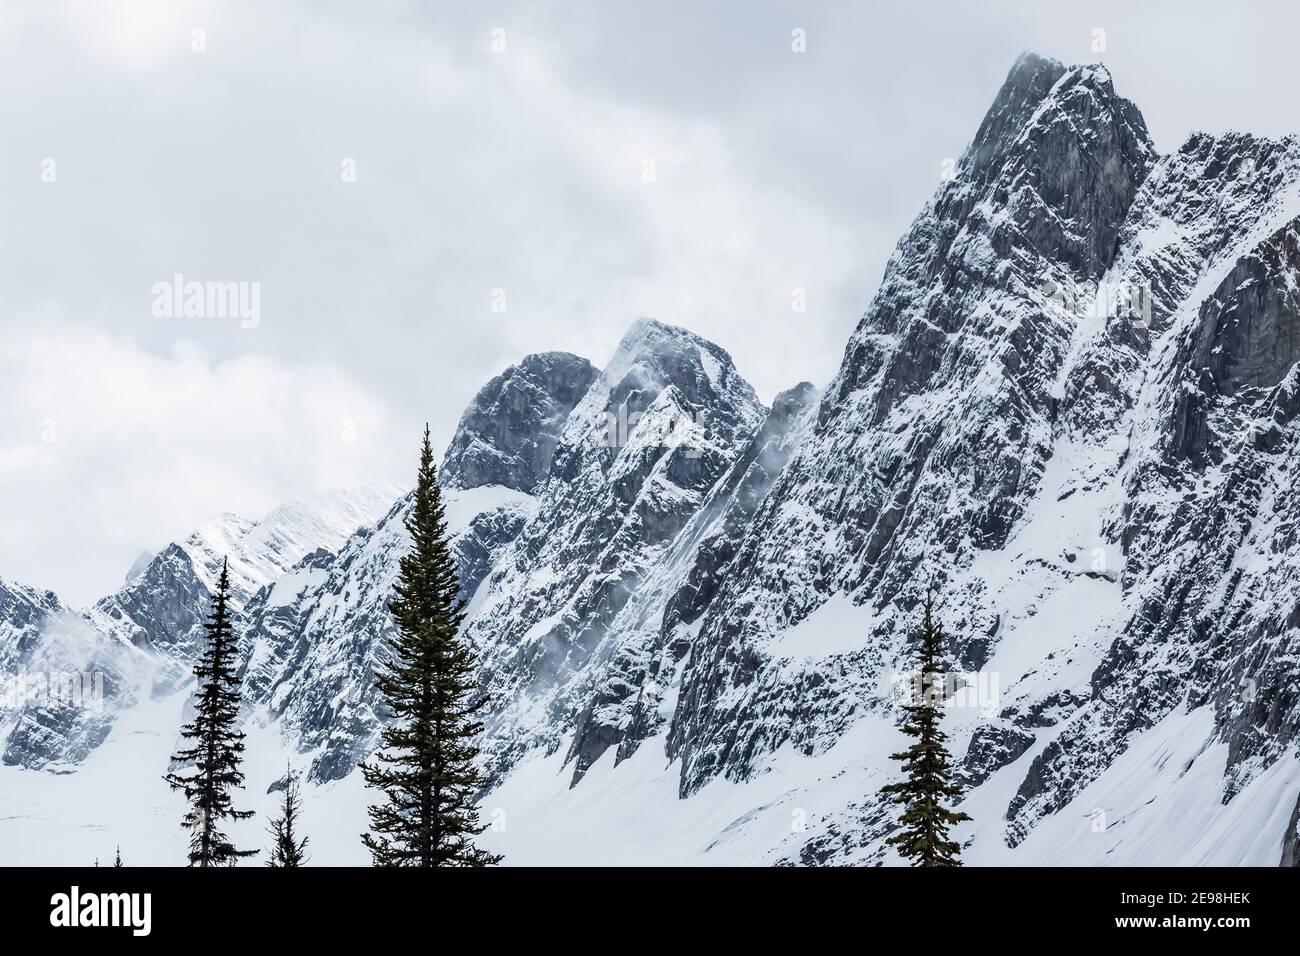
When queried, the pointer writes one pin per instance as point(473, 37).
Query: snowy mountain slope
point(1094, 480)
point(1064, 485)
point(1205, 522)
point(627, 694)
point(60, 680)
point(323, 630)
point(324, 627)
point(136, 642)
point(1070, 408)
point(935, 433)
point(164, 606)
point(24, 611)
point(640, 452)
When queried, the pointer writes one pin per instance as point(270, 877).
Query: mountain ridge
point(1070, 408)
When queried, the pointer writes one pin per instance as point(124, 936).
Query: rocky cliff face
point(60, 681)
point(310, 583)
point(508, 434)
point(163, 607)
point(139, 641)
point(629, 697)
point(937, 430)
point(1201, 516)
point(1115, 454)
point(325, 627)
point(1069, 411)
point(24, 611)
point(635, 464)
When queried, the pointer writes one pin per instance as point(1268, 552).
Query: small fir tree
point(925, 821)
point(287, 849)
point(216, 747)
point(425, 769)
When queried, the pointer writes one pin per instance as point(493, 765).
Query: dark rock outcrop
point(508, 433)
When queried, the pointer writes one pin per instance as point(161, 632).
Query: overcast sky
point(424, 195)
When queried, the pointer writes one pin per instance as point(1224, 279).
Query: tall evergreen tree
point(425, 768)
point(927, 763)
point(286, 849)
point(216, 746)
point(117, 861)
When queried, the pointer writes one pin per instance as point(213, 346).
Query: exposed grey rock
point(937, 429)
point(1206, 469)
point(637, 459)
point(324, 640)
point(55, 735)
point(1103, 501)
point(992, 747)
point(1047, 712)
point(739, 496)
point(272, 620)
point(23, 613)
point(163, 607)
point(508, 433)
point(1291, 841)
point(647, 591)
point(139, 641)
point(61, 682)
point(624, 705)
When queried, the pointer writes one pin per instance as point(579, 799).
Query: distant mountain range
point(1069, 410)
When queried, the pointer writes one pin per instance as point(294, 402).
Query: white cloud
point(107, 449)
point(706, 245)
point(477, 170)
point(130, 34)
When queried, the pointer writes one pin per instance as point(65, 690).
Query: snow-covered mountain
point(634, 464)
point(329, 624)
point(138, 641)
point(1069, 411)
point(163, 606)
point(59, 678)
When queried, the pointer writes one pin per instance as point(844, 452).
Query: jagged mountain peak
point(800, 394)
point(728, 599)
point(666, 419)
point(138, 565)
point(24, 611)
point(1038, 199)
point(28, 591)
point(163, 606)
point(508, 432)
point(1033, 71)
point(664, 369)
point(318, 633)
point(1036, 86)
point(1243, 159)
point(260, 550)
point(1056, 161)
point(647, 333)
point(651, 343)
point(938, 429)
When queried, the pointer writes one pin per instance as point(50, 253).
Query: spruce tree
point(425, 768)
point(216, 746)
point(286, 849)
point(927, 763)
point(117, 862)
